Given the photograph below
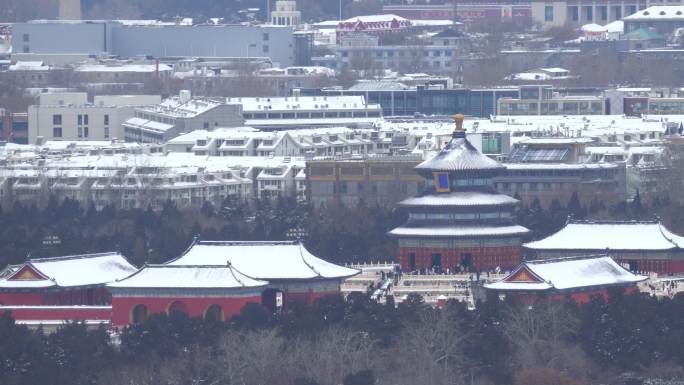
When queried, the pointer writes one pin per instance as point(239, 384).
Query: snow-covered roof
point(556, 140)
point(658, 12)
point(77, 270)
point(459, 155)
point(566, 273)
point(299, 103)
point(123, 68)
point(461, 198)
point(593, 28)
point(601, 236)
point(458, 231)
point(29, 66)
point(187, 277)
point(263, 260)
point(375, 18)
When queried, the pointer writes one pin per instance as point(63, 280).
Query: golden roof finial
point(458, 118)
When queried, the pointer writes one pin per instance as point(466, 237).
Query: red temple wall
point(482, 258)
point(26, 299)
point(581, 297)
point(59, 313)
point(196, 306)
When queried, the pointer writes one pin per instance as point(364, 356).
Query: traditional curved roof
point(459, 155)
point(458, 231)
point(461, 198)
point(566, 273)
point(187, 277)
point(69, 271)
point(263, 260)
point(611, 235)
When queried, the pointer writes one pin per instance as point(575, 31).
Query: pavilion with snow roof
point(50, 290)
point(215, 279)
point(578, 277)
point(646, 246)
point(460, 220)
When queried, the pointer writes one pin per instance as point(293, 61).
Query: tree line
point(357, 341)
point(337, 233)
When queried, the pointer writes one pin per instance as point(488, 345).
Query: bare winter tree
point(329, 356)
point(433, 346)
point(541, 336)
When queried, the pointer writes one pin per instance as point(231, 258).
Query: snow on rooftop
point(462, 198)
point(375, 18)
point(29, 66)
point(610, 236)
point(282, 103)
point(264, 260)
point(78, 270)
point(187, 277)
point(458, 231)
point(459, 155)
point(568, 273)
point(658, 12)
point(123, 68)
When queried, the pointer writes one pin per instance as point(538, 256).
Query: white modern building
point(70, 116)
point(307, 111)
point(286, 13)
point(136, 38)
point(182, 113)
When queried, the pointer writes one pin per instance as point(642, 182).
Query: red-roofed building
point(52, 290)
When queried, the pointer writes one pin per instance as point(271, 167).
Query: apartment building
point(541, 100)
point(271, 113)
point(182, 113)
point(69, 116)
point(558, 13)
point(379, 180)
point(442, 52)
point(247, 141)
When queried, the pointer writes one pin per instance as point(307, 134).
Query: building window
point(26, 49)
point(57, 120)
point(265, 49)
point(106, 132)
point(80, 131)
point(56, 132)
point(589, 11)
point(617, 12)
point(205, 125)
point(26, 38)
point(631, 9)
point(80, 120)
point(574, 13)
point(265, 36)
point(603, 12)
point(85, 119)
point(106, 120)
point(548, 13)
point(85, 132)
